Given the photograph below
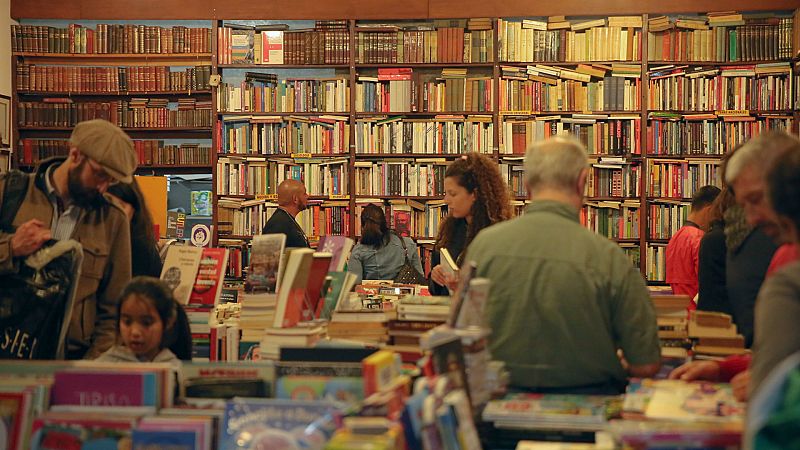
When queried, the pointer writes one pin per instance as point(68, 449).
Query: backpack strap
point(402, 242)
point(16, 188)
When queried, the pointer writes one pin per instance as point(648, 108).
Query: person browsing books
point(152, 326)
point(145, 259)
point(748, 175)
point(684, 246)
point(563, 300)
point(64, 199)
point(476, 196)
point(292, 198)
point(381, 253)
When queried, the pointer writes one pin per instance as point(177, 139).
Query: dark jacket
point(746, 268)
point(106, 268)
point(456, 246)
point(282, 222)
point(145, 259)
point(711, 271)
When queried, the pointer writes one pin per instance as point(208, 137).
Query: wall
point(366, 9)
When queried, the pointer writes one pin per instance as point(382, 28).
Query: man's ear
point(75, 156)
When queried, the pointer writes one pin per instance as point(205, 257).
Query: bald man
point(292, 198)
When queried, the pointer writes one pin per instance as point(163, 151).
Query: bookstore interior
point(250, 132)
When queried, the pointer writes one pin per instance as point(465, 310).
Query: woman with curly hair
point(477, 197)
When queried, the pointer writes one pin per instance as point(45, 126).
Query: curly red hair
point(478, 173)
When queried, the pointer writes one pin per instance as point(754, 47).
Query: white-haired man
point(563, 300)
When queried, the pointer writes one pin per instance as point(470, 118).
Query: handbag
point(408, 274)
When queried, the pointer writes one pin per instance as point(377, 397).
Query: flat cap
point(108, 145)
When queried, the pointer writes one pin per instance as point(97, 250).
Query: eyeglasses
point(99, 174)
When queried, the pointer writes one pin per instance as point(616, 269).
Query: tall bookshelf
point(150, 79)
point(600, 78)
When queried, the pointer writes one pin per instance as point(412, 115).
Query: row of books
point(613, 180)
point(247, 218)
point(656, 258)
point(429, 45)
point(110, 38)
point(707, 134)
point(74, 79)
point(443, 134)
point(136, 113)
point(614, 220)
point(680, 178)
point(519, 41)
point(756, 39)
point(268, 135)
point(615, 134)
point(453, 92)
point(763, 87)
point(543, 94)
point(276, 44)
point(149, 152)
point(268, 94)
point(664, 219)
point(241, 176)
point(400, 178)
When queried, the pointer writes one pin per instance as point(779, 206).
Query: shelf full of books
point(151, 80)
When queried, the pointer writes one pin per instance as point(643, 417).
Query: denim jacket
point(384, 263)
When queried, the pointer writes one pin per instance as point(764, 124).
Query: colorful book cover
point(251, 424)
point(316, 280)
point(210, 275)
point(265, 263)
point(13, 416)
point(347, 390)
point(61, 431)
point(180, 270)
point(164, 440)
point(201, 203)
point(104, 388)
point(697, 401)
point(339, 247)
point(272, 47)
point(292, 292)
point(549, 408)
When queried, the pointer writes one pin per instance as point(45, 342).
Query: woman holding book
point(381, 253)
point(477, 197)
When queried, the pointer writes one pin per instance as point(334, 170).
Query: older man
point(563, 300)
point(64, 200)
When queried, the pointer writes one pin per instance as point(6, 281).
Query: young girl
point(152, 326)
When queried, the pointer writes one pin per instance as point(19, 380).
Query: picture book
point(104, 388)
point(180, 270)
point(695, 402)
point(266, 258)
point(163, 440)
point(57, 431)
point(553, 411)
point(251, 424)
point(210, 277)
point(14, 416)
point(201, 203)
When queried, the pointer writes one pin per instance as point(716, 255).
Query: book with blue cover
point(164, 440)
point(251, 424)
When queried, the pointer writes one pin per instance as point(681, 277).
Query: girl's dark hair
point(142, 221)
point(374, 231)
point(178, 336)
point(477, 172)
point(784, 186)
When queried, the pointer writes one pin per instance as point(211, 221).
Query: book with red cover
point(292, 290)
point(210, 274)
point(104, 388)
point(316, 278)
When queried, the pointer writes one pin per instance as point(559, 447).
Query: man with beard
point(64, 200)
point(292, 198)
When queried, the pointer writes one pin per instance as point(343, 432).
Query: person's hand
point(441, 277)
point(696, 370)
point(741, 385)
point(30, 236)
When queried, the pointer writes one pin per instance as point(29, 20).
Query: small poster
point(201, 203)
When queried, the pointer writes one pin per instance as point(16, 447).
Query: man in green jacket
point(563, 301)
point(64, 200)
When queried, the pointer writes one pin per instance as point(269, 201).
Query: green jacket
point(562, 300)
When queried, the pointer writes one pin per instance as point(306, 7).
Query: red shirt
point(785, 254)
point(682, 252)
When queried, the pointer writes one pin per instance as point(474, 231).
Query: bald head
point(292, 196)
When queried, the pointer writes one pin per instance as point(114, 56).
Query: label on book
point(732, 112)
point(516, 113)
point(301, 155)
point(339, 197)
point(266, 196)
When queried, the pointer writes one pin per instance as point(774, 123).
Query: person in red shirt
point(683, 248)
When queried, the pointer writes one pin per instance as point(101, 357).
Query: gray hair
point(759, 153)
point(555, 163)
